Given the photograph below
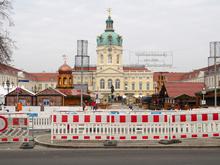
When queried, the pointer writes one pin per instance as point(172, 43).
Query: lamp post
point(203, 96)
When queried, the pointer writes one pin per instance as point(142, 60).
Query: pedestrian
point(84, 106)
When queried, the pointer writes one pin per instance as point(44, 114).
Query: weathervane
point(109, 12)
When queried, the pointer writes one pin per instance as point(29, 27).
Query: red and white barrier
point(14, 128)
point(134, 126)
point(195, 125)
point(105, 126)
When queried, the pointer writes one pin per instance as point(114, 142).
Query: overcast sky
point(46, 29)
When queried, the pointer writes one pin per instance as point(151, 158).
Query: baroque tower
point(109, 71)
point(109, 48)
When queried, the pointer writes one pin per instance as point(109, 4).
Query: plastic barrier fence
point(134, 126)
point(14, 128)
point(102, 127)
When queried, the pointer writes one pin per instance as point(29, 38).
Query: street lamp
point(203, 96)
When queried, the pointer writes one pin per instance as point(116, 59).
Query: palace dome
point(109, 37)
point(65, 69)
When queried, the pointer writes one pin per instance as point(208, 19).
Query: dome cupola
point(109, 37)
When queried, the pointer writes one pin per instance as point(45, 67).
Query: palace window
point(126, 85)
point(102, 84)
point(109, 84)
point(148, 86)
point(102, 59)
point(117, 58)
point(133, 86)
point(117, 84)
point(140, 85)
point(109, 58)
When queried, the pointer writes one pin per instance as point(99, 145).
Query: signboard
point(203, 102)
point(3, 123)
point(156, 113)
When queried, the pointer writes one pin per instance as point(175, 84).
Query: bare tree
point(6, 43)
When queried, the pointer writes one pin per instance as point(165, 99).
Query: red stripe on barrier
point(112, 137)
point(144, 137)
point(165, 118)
point(112, 119)
point(63, 137)
point(215, 134)
point(204, 117)
point(174, 137)
point(194, 135)
point(133, 137)
point(54, 118)
point(15, 121)
point(4, 139)
point(215, 116)
point(75, 137)
point(25, 121)
point(156, 118)
point(64, 118)
point(182, 118)
point(75, 118)
point(25, 139)
point(98, 137)
point(86, 137)
point(156, 137)
point(122, 119)
point(165, 137)
point(173, 118)
point(133, 118)
point(205, 135)
point(54, 137)
point(87, 118)
point(183, 136)
point(98, 118)
point(193, 117)
point(15, 139)
point(145, 118)
point(122, 138)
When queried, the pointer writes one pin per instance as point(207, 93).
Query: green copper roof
point(109, 37)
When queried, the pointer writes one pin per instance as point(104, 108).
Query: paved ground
point(112, 156)
point(198, 143)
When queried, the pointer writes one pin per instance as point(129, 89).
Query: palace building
point(128, 81)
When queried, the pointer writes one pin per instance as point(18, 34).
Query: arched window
point(109, 84)
point(64, 81)
point(102, 59)
point(117, 58)
point(102, 84)
point(117, 84)
point(109, 58)
point(70, 80)
point(60, 81)
point(148, 86)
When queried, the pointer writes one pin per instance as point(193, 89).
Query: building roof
point(7, 69)
point(134, 68)
point(21, 91)
point(45, 77)
point(175, 89)
point(71, 92)
point(50, 91)
point(169, 76)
